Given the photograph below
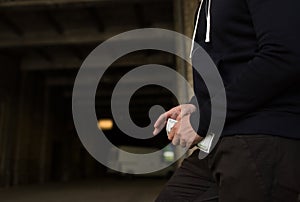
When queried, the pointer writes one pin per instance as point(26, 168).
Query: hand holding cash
point(204, 145)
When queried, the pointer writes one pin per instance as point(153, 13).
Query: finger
point(186, 141)
point(175, 112)
point(159, 124)
point(197, 139)
point(194, 141)
point(175, 140)
point(183, 143)
point(187, 109)
point(189, 144)
point(178, 119)
point(172, 113)
point(161, 120)
point(156, 131)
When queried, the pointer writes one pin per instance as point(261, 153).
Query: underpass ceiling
point(55, 36)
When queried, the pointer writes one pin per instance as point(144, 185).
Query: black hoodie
point(256, 46)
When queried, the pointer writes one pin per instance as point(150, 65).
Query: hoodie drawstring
point(207, 38)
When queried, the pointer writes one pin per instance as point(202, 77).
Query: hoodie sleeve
point(275, 66)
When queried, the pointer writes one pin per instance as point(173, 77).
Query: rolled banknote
point(170, 124)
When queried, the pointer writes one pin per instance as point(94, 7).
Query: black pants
point(241, 168)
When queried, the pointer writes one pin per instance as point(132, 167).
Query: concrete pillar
point(29, 129)
point(9, 83)
point(184, 11)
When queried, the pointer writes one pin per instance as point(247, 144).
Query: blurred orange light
point(105, 124)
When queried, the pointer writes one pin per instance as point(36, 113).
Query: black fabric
point(255, 45)
point(241, 168)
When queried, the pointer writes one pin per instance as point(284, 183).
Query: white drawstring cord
point(195, 29)
point(207, 37)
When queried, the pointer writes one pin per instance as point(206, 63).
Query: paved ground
point(106, 190)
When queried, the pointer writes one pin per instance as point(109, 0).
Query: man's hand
point(182, 132)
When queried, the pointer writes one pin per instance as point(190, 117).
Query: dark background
point(42, 45)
